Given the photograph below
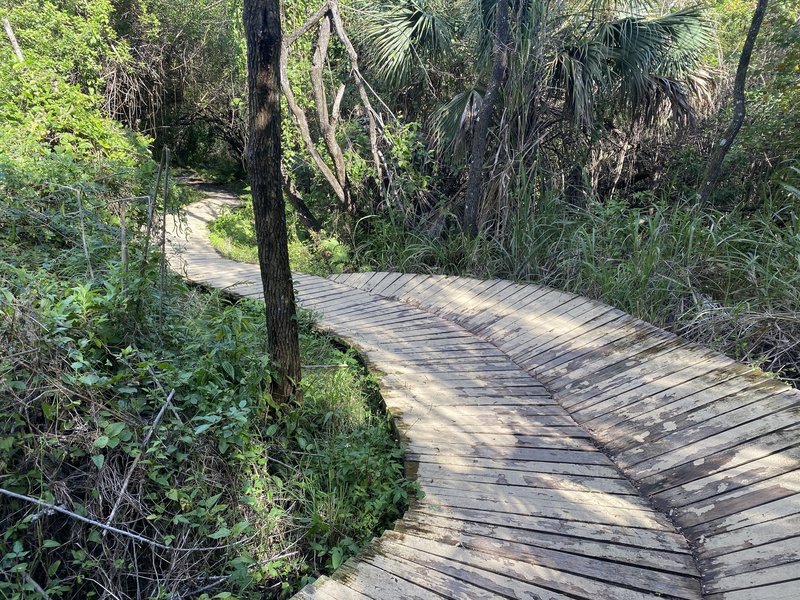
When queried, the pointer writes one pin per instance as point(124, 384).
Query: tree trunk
point(714, 167)
point(262, 23)
point(327, 121)
point(472, 202)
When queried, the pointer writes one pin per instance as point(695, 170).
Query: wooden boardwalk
point(566, 450)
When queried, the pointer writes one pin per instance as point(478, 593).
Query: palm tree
point(574, 69)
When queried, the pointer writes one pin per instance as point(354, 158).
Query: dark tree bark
point(480, 135)
point(714, 167)
point(262, 24)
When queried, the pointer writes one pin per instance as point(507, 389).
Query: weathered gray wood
point(724, 545)
point(519, 499)
point(653, 539)
point(451, 474)
point(562, 510)
point(646, 579)
point(568, 583)
point(424, 568)
point(780, 591)
point(377, 583)
point(762, 577)
point(597, 548)
point(469, 577)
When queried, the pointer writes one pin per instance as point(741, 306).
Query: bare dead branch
point(13, 39)
point(144, 450)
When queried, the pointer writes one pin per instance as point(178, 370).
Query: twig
point(37, 588)
point(123, 236)
point(342, 366)
point(83, 236)
point(20, 353)
point(129, 534)
point(163, 273)
point(158, 384)
point(150, 211)
point(144, 450)
point(78, 193)
point(13, 39)
point(78, 517)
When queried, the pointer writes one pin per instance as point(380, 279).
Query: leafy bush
point(224, 493)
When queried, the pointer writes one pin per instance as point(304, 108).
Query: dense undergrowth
point(140, 404)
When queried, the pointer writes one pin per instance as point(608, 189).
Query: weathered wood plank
point(378, 584)
point(752, 579)
point(555, 540)
point(655, 539)
point(738, 477)
point(470, 576)
point(424, 568)
point(568, 583)
point(555, 509)
point(786, 590)
point(646, 579)
point(451, 475)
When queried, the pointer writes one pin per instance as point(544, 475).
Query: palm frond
point(577, 73)
point(452, 123)
point(687, 34)
point(645, 54)
point(400, 36)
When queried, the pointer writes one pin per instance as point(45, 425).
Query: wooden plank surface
point(488, 382)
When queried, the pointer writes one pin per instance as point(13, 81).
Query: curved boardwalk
point(559, 442)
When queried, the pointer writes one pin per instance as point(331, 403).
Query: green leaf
point(99, 460)
point(220, 533)
point(115, 429)
point(240, 527)
point(89, 379)
point(51, 544)
point(101, 442)
point(201, 428)
point(336, 557)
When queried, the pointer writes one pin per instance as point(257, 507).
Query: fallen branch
point(103, 526)
point(37, 588)
point(144, 450)
point(83, 228)
point(69, 513)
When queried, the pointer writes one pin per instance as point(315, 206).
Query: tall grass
point(729, 279)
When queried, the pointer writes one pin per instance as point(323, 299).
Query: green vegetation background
point(249, 499)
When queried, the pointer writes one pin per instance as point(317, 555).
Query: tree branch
point(714, 168)
point(13, 39)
